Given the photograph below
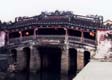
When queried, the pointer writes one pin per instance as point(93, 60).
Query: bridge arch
point(27, 52)
point(86, 57)
point(72, 62)
point(14, 55)
point(50, 59)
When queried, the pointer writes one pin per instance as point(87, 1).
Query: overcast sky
point(9, 9)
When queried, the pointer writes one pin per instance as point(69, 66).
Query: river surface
point(35, 76)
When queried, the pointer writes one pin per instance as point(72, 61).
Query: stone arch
point(86, 57)
point(72, 62)
point(14, 55)
point(50, 59)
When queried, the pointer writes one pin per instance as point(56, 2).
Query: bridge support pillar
point(20, 59)
point(34, 60)
point(64, 64)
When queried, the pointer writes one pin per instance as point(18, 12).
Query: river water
point(35, 76)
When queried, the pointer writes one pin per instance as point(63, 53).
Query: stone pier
point(34, 60)
point(64, 64)
point(20, 59)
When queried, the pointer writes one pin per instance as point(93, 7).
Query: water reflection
point(36, 76)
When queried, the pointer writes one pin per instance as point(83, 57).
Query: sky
point(9, 9)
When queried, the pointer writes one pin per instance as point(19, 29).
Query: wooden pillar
point(7, 38)
point(20, 32)
point(82, 36)
point(35, 32)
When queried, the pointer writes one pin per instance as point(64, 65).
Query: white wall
point(2, 38)
point(103, 44)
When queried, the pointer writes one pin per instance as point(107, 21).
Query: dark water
point(50, 67)
point(36, 76)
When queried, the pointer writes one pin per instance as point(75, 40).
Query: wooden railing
point(51, 39)
point(89, 41)
point(74, 39)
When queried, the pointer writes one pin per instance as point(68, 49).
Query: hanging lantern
point(92, 34)
point(27, 33)
point(20, 32)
